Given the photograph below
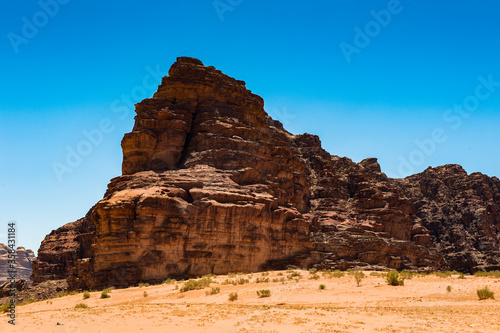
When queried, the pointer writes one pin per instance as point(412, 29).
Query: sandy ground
point(423, 304)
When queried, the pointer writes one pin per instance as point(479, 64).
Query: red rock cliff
point(212, 184)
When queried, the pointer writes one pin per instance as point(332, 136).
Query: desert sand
point(423, 304)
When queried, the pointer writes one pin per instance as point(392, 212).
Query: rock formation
point(24, 258)
point(212, 184)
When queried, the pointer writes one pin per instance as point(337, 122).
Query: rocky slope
point(212, 184)
point(24, 258)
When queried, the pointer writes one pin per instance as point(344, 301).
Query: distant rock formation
point(24, 258)
point(212, 184)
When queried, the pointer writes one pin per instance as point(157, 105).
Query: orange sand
point(421, 305)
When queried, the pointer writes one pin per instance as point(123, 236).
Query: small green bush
point(485, 293)
point(448, 289)
point(265, 273)
point(313, 271)
point(264, 293)
point(406, 275)
point(5, 307)
point(233, 297)
point(86, 294)
point(213, 291)
point(393, 279)
point(322, 286)
point(495, 274)
point(195, 284)
point(81, 306)
point(145, 294)
point(358, 276)
point(105, 293)
point(314, 277)
point(169, 281)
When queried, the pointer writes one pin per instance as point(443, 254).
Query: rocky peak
point(212, 184)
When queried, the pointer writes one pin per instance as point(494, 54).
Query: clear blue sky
point(369, 87)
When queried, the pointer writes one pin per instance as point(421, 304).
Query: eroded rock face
point(23, 260)
point(462, 214)
point(212, 184)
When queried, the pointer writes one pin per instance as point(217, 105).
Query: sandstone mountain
point(212, 184)
point(23, 259)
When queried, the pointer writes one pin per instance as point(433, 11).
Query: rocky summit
point(212, 184)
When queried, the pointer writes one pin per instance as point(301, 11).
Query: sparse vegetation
point(213, 291)
point(86, 294)
point(196, 284)
point(314, 277)
point(313, 270)
point(393, 279)
point(495, 274)
point(66, 293)
point(265, 273)
point(145, 294)
point(262, 280)
point(264, 293)
point(105, 293)
point(169, 281)
point(448, 288)
point(5, 307)
point(406, 275)
point(322, 287)
point(377, 274)
point(461, 276)
point(485, 293)
point(81, 306)
point(293, 274)
point(358, 276)
point(233, 297)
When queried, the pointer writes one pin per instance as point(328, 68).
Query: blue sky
point(418, 86)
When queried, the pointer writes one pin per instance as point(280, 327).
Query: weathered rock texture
point(212, 184)
point(23, 260)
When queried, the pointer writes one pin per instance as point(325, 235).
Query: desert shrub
point(195, 284)
point(393, 279)
point(86, 294)
point(262, 280)
point(313, 270)
point(282, 279)
point(338, 273)
point(495, 274)
point(406, 275)
point(314, 277)
point(264, 293)
point(275, 280)
point(377, 274)
point(461, 276)
point(485, 293)
point(145, 294)
point(443, 275)
point(66, 293)
point(105, 293)
point(233, 297)
point(265, 273)
point(243, 280)
point(213, 291)
point(5, 307)
point(81, 306)
point(280, 274)
point(358, 276)
point(322, 286)
point(448, 289)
